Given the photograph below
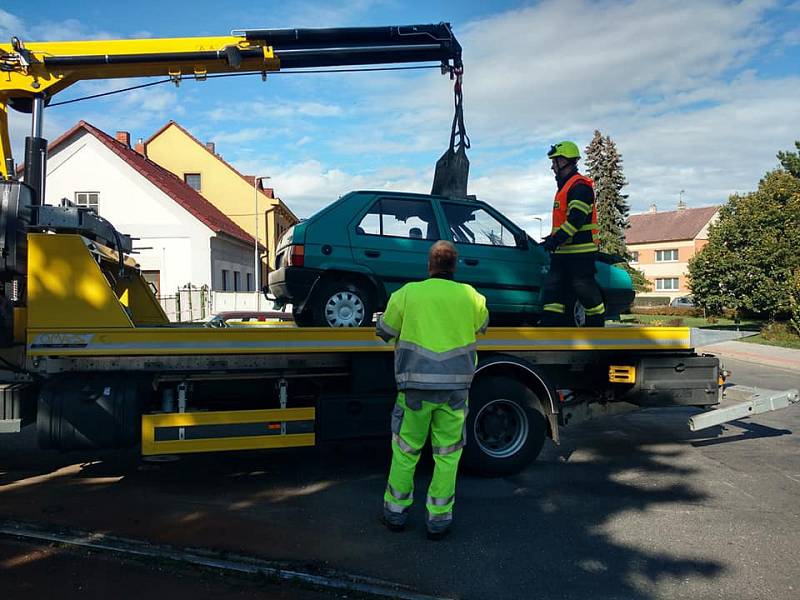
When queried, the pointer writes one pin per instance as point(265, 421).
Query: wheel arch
point(532, 377)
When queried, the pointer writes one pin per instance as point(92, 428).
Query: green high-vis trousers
point(409, 434)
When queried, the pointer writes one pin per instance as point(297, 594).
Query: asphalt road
point(633, 506)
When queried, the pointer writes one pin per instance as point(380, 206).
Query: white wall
point(233, 256)
point(179, 244)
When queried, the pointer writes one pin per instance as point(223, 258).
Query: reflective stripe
point(403, 445)
point(581, 206)
point(436, 356)
point(442, 450)
point(448, 516)
point(440, 501)
point(576, 248)
point(596, 310)
point(384, 331)
point(569, 228)
point(556, 308)
point(395, 508)
point(434, 378)
point(588, 227)
point(397, 495)
point(484, 327)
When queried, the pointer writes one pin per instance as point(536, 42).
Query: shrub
point(667, 311)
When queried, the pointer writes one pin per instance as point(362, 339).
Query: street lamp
point(257, 258)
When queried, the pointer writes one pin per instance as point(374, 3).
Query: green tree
point(751, 256)
point(604, 164)
point(791, 160)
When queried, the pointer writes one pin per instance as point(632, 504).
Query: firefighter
point(573, 243)
point(433, 324)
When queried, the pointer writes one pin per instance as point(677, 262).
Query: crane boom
point(32, 73)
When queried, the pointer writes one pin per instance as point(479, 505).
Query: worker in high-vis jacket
point(573, 242)
point(433, 324)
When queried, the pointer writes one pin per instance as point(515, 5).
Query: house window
point(667, 284)
point(87, 200)
point(237, 284)
point(193, 180)
point(249, 282)
point(635, 256)
point(226, 280)
point(667, 255)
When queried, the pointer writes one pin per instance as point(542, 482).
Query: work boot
point(393, 521)
point(438, 529)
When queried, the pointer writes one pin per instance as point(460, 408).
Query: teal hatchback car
point(340, 266)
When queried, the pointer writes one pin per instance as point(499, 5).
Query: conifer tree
point(604, 163)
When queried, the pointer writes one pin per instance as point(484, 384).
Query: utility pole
point(257, 258)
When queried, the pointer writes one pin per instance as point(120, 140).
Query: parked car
point(682, 302)
point(339, 267)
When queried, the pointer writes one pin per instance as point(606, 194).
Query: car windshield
point(474, 225)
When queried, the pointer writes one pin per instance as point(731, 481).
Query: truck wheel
point(506, 426)
point(342, 304)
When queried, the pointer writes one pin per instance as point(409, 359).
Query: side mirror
point(522, 241)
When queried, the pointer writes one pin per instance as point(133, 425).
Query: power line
point(218, 75)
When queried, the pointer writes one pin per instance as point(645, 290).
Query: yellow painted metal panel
point(20, 324)
point(145, 309)
point(188, 419)
point(67, 288)
point(294, 440)
point(293, 340)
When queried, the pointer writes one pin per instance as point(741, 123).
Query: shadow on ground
point(569, 526)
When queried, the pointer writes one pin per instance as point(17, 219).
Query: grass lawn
point(784, 342)
point(676, 321)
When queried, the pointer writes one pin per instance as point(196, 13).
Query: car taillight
point(297, 256)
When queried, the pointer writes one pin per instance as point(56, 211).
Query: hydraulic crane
point(32, 73)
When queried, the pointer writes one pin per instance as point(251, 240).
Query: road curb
point(753, 357)
point(230, 563)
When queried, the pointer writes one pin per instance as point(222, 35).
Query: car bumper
point(292, 285)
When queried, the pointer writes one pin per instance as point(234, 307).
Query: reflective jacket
point(575, 220)
point(433, 323)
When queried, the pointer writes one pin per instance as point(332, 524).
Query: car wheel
point(578, 314)
point(342, 304)
point(505, 427)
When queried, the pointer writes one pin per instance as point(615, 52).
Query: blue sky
point(698, 96)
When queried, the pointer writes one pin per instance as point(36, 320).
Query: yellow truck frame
point(90, 355)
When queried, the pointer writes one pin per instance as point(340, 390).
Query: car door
point(391, 238)
point(495, 256)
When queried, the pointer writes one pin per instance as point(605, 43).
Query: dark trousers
point(572, 276)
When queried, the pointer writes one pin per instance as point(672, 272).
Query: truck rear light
point(297, 255)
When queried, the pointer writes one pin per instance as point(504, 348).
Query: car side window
point(474, 225)
point(400, 217)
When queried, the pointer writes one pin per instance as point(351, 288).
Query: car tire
point(505, 428)
point(303, 318)
point(342, 303)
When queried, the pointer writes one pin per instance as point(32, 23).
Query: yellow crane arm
point(31, 73)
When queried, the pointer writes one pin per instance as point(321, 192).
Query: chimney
point(269, 192)
point(653, 209)
point(681, 205)
point(123, 137)
point(140, 147)
point(211, 148)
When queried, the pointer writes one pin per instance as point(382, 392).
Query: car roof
point(416, 195)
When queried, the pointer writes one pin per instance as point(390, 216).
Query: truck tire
point(342, 303)
point(505, 427)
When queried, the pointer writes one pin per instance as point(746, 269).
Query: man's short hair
point(442, 257)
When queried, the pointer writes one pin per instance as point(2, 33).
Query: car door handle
point(471, 261)
point(372, 253)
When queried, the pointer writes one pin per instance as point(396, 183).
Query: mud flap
point(452, 169)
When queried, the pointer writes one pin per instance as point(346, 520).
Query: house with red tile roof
point(662, 243)
point(182, 238)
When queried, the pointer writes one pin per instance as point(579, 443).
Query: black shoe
point(393, 527)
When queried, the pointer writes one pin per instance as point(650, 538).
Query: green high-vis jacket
point(434, 323)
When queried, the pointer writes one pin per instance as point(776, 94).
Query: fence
point(199, 304)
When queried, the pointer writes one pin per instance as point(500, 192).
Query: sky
point(698, 96)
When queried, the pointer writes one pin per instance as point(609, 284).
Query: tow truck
point(88, 354)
